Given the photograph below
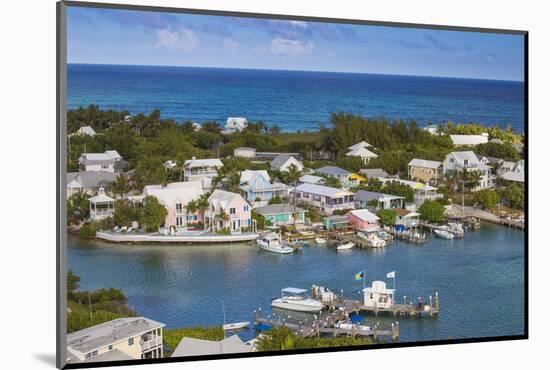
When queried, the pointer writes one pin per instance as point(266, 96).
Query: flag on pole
point(391, 275)
point(360, 275)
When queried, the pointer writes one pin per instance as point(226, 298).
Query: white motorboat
point(443, 234)
point(372, 240)
point(352, 326)
point(345, 246)
point(272, 243)
point(236, 325)
point(320, 241)
point(294, 299)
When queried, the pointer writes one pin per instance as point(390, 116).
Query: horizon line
point(294, 70)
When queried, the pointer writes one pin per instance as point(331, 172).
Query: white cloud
point(300, 24)
point(182, 39)
point(280, 46)
point(230, 45)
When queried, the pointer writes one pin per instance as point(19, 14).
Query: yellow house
point(424, 170)
point(128, 338)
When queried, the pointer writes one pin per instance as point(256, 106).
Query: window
point(110, 347)
point(131, 341)
point(232, 211)
point(245, 208)
point(179, 207)
point(92, 354)
point(179, 221)
point(104, 165)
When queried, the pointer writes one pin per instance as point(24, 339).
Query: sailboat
point(235, 325)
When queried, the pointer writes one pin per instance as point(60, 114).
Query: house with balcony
point(235, 124)
point(282, 214)
point(128, 338)
point(421, 191)
point(425, 170)
point(363, 220)
point(375, 201)
point(203, 170)
point(228, 211)
point(467, 161)
point(109, 161)
point(325, 198)
point(102, 206)
point(361, 150)
point(258, 187)
point(175, 197)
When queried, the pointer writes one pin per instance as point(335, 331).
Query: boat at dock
point(236, 325)
point(320, 241)
point(372, 240)
point(272, 243)
point(443, 234)
point(295, 299)
point(345, 246)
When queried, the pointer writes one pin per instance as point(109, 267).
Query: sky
point(108, 36)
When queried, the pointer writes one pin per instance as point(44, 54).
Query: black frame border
point(61, 87)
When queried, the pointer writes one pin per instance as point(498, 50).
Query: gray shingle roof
point(279, 160)
point(196, 347)
point(374, 172)
point(333, 171)
point(91, 179)
point(276, 209)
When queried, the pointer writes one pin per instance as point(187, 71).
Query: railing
point(101, 212)
point(151, 343)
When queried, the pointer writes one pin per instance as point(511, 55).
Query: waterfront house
point(203, 170)
point(107, 161)
point(244, 152)
point(201, 347)
point(338, 173)
point(228, 211)
point(326, 198)
point(373, 172)
point(312, 179)
point(283, 162)
point(363, 220)
point(514, 172)
point(170, 165)
point(425, 170)
point(128, 338)
point(421, 191)
point(282, 214)
point(88, 181)
point(376, 201)
point(406, 218)
point(257, 186)
point(102, 206)
point(361, 152)
point(468, 161)
point(470, 140)
point(378, 296)
point(432, 129)
point(175, 197)
point(235, 124)
point(332, 223)
point(84, 131)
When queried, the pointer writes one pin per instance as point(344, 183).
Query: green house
point(282, 214)
point(336, 222)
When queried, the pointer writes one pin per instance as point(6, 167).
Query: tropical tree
point(78, 207)
point(487, 198)
point(120, 186)
point(432, 211)
point(387, 216)
point(515, 196)
point(153, 214)
point(202, 206)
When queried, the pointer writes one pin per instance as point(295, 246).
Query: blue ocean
point(294, 100)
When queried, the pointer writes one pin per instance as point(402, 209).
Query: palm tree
point(192, 207)
point(120, 186)
point(474, 179)
point(222, 216)
point(202, 206)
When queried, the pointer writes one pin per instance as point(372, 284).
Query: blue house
point(257, 186)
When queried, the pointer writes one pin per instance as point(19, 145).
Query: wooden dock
point(327, 324)
point(408, 236)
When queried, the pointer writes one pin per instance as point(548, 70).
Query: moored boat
point(320, 241)
point(272, 243)
point(372, 239)
point(294, 299)
point(236, 325)
point(345, 246)
point(443, 234)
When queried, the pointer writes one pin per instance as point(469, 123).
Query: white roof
point(469, 139)
point(294, 290)
point(96, 157)
point(471, 157)
point(101, 197)
point(362, 144)
point(378, 287)
point(322, 190)
point(311, 179)
point(86, 130)
point(234, 122)
point(113, 154)
point(248, 175)
point(361, 152)
point(176, 192)
point(222, 198)
point(413, 184)
point(424, 163)
point(365, 215)
point(210, 162)
point(197, 347)
point(514, 176)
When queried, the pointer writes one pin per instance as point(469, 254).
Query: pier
point(410, 236)
point(407, 308)
point(326, 324)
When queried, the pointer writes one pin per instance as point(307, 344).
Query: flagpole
point(364, 278)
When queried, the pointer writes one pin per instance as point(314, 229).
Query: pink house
point(227, 210)
point(363, 220)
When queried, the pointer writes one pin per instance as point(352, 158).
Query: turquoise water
point(480, 280)
point(295, 100)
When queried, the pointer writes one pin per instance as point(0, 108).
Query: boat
point(372, 240)
point(320, 241)
point(345, 246)
point(272, 243)
point(295, 299)
point(348, 325)
point(236, 325)
point(384, 235)
point(443, 234)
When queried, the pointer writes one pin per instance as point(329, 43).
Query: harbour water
point(295, 100)
point(480, 280)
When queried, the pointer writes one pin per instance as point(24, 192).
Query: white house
point(244, 152)
point(196, 126)
point(470, 140)
point(128, 338)
point(362, 144)
point(101, 206)
point(467, 160)
point(324, 197)
point(421, 191)
point(378, 296)
point(283, 162)
point(175, 197)
point(432, 129)
point(88, 181)
point(363, 153)
point(312, 179)
point(235, 124)
point(170, 164)
point(515, 173)
point(99, 161)
point(203, 170)
point(85, 131)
